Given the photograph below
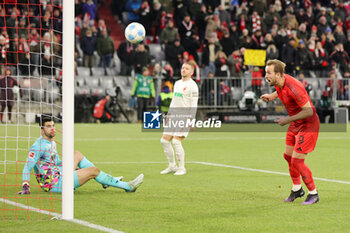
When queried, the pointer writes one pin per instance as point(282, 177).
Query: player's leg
point(297, 190)
point(169, 153)
point(9, 110)
point(82, 162)
point(306, 142)
point(86, 174)
point(3, 106)
point(298, 161)
point(180, 154)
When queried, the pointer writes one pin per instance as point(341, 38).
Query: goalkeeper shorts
point(57, 188)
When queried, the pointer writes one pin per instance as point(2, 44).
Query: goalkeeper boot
point(120, 178)
point(294, 195)
point(169, 169)
point(134, 184)
point(311, 199)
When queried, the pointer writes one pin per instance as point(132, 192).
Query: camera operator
point(103, 110)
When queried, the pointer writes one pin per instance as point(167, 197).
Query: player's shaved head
point(278, 66)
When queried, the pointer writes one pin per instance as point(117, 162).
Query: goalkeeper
point(44, 159)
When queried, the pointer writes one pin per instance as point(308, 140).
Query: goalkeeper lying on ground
point(43, 157)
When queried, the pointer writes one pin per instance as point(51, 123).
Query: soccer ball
point(135, 32)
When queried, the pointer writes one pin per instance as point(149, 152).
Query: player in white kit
point(183, 107)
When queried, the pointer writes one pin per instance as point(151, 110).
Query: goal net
point(30, 87)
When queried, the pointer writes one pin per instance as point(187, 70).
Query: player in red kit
point(302, 132)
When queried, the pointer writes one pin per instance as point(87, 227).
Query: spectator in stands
point(340, 57)
point(321, 60)
point(234, 62)
point(347, 45)
point(255, 22)
point(101, 26)
point(271, 17)
point(213, 24)
point(257, 74)
point(33, 18)
point(322, 26)
point(11, 24)
point(2, 55)
point(173, 54)
point(143, 89)
point(257, 39)
point(271, 52)
point(7, 84)
point(221, 68)
point(211, 5)
point(23, 55)
point(180, 11)
point(339, 35)
point(105, 49)
point(88, 46)
point(46, 23)
point(23, 28)
point(169, 34)
point(194, 8)
point(224, 15)
point(290, 19)
point(140, 57)
point(289, 56)
point(191, 45)
point(201, 22)
point(145, 16)
point(304, 59)
point(164, 99)
point(132, 7)
point(334, 83)
point(57, 20)
point(186, 28)
point(245, 40)
point(103, 110)
point(209, 55)
point(228, 43)
point(302, 33)
point(324, 108)
point(90, 11)
point(124, 52)
point(327, 44)
point(208, 89)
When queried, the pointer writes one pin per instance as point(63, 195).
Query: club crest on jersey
point(184, 89)
point(31, 155)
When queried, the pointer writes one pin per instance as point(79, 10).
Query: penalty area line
point(266, 171)
point(58, 216)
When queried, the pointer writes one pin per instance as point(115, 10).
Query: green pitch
point(209, 198)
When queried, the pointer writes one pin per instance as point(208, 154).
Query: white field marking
point(265, 171)
point(198, 139)
point(58, 216)
point(228, 166)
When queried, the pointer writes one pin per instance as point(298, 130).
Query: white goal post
point(68, 111)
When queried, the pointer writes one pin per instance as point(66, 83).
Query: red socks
point(305, 173)
point(293, 171)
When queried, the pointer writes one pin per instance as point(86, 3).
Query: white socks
point(168, 151)
point(313, 192)
point(180, 153)
point(296, 187)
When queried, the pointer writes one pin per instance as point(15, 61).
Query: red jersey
point(293, 96)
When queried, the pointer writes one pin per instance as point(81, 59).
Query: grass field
point(209, 198)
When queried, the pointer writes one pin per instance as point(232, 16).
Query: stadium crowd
point(311, 35)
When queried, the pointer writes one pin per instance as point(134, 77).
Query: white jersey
point(183, 107)
point(185, 94)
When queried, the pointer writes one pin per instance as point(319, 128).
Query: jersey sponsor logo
point(177, 94)
point(31, 155)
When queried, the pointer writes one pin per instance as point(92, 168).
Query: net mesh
point(30, 85)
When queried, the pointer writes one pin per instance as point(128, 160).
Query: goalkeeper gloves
point(25, 189)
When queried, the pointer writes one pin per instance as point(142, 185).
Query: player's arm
point(306, 111)
point(269, 97)
point(32, 159)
